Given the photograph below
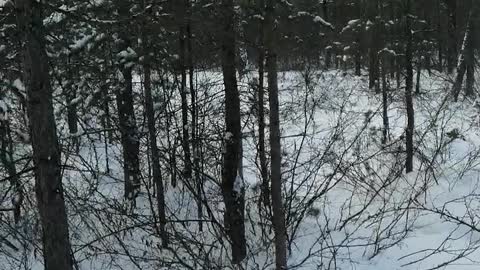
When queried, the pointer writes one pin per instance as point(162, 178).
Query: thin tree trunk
point(46, 151)
point(419, 73)
point(470, 59)
point(193, 95)
point(465, 64)
point(439, 35)
point(152, 135)
point(373, 50)
point(72, 117)
point(106, 123)
point(278, 218)
point(6, 157)
point(358, 57)
point(408, 90)
point(452, 34)
point(385, 102)
point(265, 191)
point(232, 184)
point(181, 6)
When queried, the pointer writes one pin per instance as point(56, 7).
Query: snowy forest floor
point(349, 203)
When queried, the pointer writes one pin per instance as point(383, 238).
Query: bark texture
point(278, 218)
point(46, 151)
point(233, 191)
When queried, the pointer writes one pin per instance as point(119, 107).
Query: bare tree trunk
point(129, 136)
point(181, 9)
point(6, 157)
point(152, 135)
point(46, 150)
point(372, 9)
point(452, 35)
point(126, 117)
point(232, 184)
point(466, 62)
point(385, 102)
point(193, 95)
point(328, 51)
point(265, 191)
point(408, 90)
point(72, 117)
point(106, 123)
point(278, 218)
point(470, 58)
point(440, 40)
point(358, 57)
point(419, 73)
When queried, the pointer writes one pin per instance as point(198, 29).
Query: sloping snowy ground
point(351, 205)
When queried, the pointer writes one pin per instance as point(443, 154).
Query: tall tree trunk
point(152, 134)
point(466, 62)
point(372, 9)
point(46, 150)
point(470, 57)
point(419, 73)
point(129, 136)
point(408, 89)
point(106, 124)
point(6, 157)
point(181, 9)
point(232, 184)
point(328, 51)
point(193, 95)
point(278, 218)
point(265, 191)
point(385, 102)
point(126, 116)
point(358, 41)
point(72, 117)
point(440, 39)
point(452, 35)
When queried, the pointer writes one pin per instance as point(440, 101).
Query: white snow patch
point(19, 85)
point(238, 184)
point(319, 19)
point(3, 110)
point(228, 135)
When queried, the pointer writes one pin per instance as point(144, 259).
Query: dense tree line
point(106, 98)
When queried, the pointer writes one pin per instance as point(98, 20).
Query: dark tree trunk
point(6, 157)
point(278, 218)
point(129, 136)
point(182, 65)
point(106, 119)
point(419, 73)
point(470, 58)
point(232, 189)
point(452, 35)
point(46, 150)
point(372, 9)
point(265, 191)
point(358, 57)
point(328, 52)
point(193, 95)
point(152, 136)
point(466, 64)
point(72, 117)
point(385, 102)
point(126, 117)
point(439, 35)
point(408, 90)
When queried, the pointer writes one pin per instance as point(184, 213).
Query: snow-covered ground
point(350, 203)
